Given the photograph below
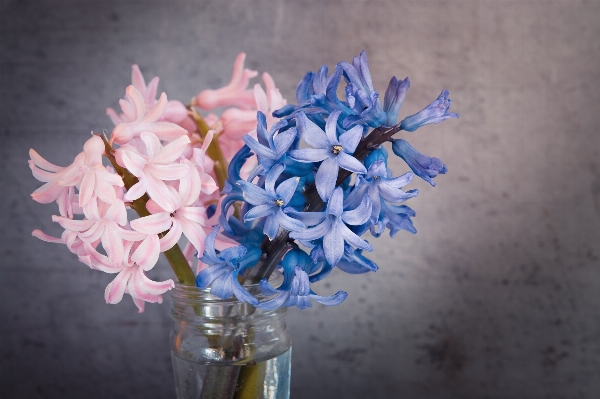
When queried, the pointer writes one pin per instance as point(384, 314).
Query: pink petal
point(153, 207)
point(73, 225)
point(153, 224)
point(117, 213)
point(172, 151)
point(47, 193)
point(136, 191)
point(138, 102)
point(175, 112)
point(167, 172)
point(115, 290)
point(143, 285)
point(87, 188)
point(93, 233)
point(139, 303)
point(113, 244)
point(45, 237)
point(190, 185)
point(42, 163)
point(91, 210)
point(104, 190)
point(151, 90)
point(147, 253)
point(137, 79)
point(128, 110)
point(114, 117)
point(131, 235)
point(166, 131)
point(65, 204)
point(133, 161)
point(194, 213)
point(152, 143)
point(159, 192)
point(40, 174)
point(262, 104)
point(158, 110)
point(194, 233)
point(172, 237)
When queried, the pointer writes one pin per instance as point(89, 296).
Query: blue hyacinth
point(320, 198)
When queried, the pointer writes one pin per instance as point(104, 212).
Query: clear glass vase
point(227, 349)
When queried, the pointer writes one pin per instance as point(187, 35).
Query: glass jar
point(227, 349)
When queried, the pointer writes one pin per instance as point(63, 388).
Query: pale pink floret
point(103, 222)
point(175, 111)
point(185, 219)
point(86, 172)
point(96, 178)
point(69, 238)
point(234, 94)
point(134, 108)
point(131, 278)
point(154, 167)
point(204, 165)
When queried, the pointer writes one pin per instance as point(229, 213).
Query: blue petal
point(332, 300)
point(327, 177)
point(350, 163)
point(360, 214)
point(331, 128)
point(435, 112)
point(287, 188)
point(241, 293)
point(260, 211)
point(310, 132)
point(272, 177)
point(309, 218)
point(223, 286)
point(254, 194)
point(333, 243)
point(351, 138)
point(310, 154)
point(312, 233)
point(233, 253)
point(288, 223)
point(353, 239)
point(208, 275)
point(283, 141)
point(335, 205)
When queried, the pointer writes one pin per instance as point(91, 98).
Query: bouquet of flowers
point(265, 185)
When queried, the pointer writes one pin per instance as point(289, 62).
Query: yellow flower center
point(279, 202)
point(336, 149)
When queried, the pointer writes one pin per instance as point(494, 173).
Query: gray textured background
point(496, 297)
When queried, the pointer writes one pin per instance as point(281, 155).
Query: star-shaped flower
point(332, 226)
point(270, 202)
point(327, 147)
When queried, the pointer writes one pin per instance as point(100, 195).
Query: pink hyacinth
point(154, 167)
point(235, 94)
point(134, 108)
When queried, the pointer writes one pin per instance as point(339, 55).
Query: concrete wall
point(497, 296)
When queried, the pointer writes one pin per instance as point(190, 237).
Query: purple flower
point(332, 226)
point(425, 167)
point(296, 292)
point(360, 94)
point(378, 186)
point(435, 112)
point(333, 151)
point(270, 202)
point(270, 148)
point(222, 273)
point(393, 99)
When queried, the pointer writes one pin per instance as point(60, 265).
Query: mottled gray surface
point(496, 297)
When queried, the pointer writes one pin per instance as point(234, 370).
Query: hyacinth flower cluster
point(230, 198)
point(320, 182)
